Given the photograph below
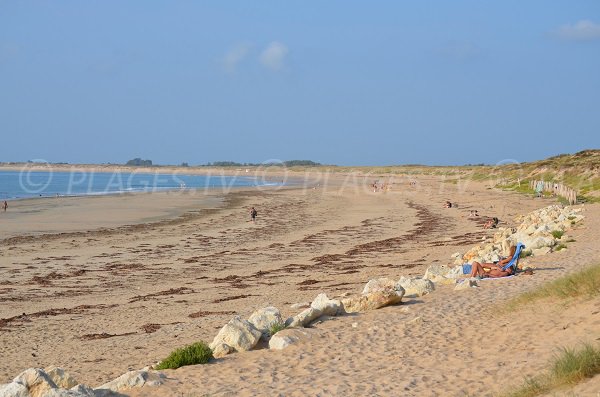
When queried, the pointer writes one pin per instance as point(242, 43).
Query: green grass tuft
point(572, 366)
point(276, 327)
point(557, 233)
point(584, 283)
point(560, 247)
point(197, 353)
point(569, 367)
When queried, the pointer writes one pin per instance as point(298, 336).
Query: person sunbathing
point(493, 270)
point(492, 223)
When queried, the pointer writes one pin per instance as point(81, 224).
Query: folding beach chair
point(515, 259)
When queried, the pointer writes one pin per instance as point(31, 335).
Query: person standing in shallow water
point(5, 205)
point(253, 214)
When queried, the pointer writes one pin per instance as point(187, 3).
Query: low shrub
point(569, 367)
point(557, 234)
point(560, 247)
point(583, 283)
point(197, 353)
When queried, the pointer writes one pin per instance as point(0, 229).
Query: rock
point(221, 350)
point(372, 301)
point(378, 285)
point(301, 305)
point(437, 273)
point(264, 319)
point(540, 251)
point(14, 389)
point(541, 241)
point(329, 307)
point(415, 321)
point(84, 391)
point(61, 378)
point(129, 380)
point(414, 287)
point(238, 334)
point(466, 284)
point(288, 336)
point(36, 380)
point(455, 272)
point(456, 255)
point(304, 318)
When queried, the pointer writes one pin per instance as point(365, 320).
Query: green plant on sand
point(276, 327)
point(584, 283)
point(196, 353)
point(569, 367)
point(557, 233)
point(560, 247)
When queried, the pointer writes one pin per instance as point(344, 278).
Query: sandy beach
point(103, 285)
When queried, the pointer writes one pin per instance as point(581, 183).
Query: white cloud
point(273, 57)
point(235, 55)
point(582, 30)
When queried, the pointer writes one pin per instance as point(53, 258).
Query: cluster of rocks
point(243, 335)
point(55, 382)
point(540, 231)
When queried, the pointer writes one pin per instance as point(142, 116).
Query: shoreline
point(171, 206)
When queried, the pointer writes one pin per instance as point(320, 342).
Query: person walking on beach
point(5, 205)
point(253, 214)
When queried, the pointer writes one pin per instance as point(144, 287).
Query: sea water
point(29, 184)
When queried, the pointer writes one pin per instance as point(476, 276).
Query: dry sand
point(166, 270)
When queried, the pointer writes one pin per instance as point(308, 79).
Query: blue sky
point(339, 82)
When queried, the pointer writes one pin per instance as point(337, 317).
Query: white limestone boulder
point(14, 389)
point(373, 300)
point(130, 380)
point(304, 318)
point(378, 285)
point(414, 287)
point(437, 273)
point(238, 333)
point(36, 381)
point(79, 392)
point(221, 350)
point(84, 391)
point(60, 377)
point(300, 305)
point(466, 284)
point(328, 307)
point(263, 319)
point(289, 336)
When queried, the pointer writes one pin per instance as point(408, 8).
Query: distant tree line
point(289, 163)
point(138, 162)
